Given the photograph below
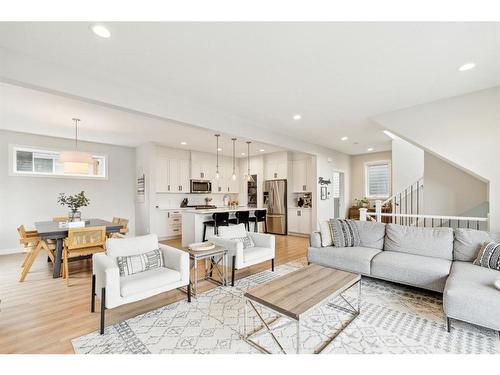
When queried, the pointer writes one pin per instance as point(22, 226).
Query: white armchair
point(117, 291)
point(240, 258)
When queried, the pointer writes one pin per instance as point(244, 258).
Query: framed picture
point(324, 193)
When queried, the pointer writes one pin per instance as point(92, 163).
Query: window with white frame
point(34, 161)
point(377, 179)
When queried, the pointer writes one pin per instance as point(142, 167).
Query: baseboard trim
point(11, 251)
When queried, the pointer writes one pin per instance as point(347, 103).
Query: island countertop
point(206, 211)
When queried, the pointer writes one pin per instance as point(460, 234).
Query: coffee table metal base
point(268, 326)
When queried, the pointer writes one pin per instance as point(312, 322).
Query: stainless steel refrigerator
point(275, 200)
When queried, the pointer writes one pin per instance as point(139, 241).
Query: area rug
point(394, 319)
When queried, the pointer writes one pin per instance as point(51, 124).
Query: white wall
point(463, 130)
point(449, 190)
point(24, 200)
point(407, 164)
point(358, 172)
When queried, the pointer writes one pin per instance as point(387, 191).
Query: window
point(30, 161)
point(377, 179)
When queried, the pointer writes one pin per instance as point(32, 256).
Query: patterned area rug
point(393, 319)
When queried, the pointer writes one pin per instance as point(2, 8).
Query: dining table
point(51, 230)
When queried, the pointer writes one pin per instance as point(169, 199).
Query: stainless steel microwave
point(201, 186)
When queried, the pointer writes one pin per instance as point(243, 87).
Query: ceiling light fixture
point(262, 150)
point(101, 30)
point(217, 160)
point(219, 149)
point(183, 143)
point(344, 138)
point(76, 162)
point(389, 134)
point(369, 149)
point(467, 66)
point(297, 117)
point(249, 176)
point(234, 165)
point(242, 154)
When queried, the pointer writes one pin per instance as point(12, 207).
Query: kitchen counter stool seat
point(218, 219)
point(260, 217)
point(242, 217)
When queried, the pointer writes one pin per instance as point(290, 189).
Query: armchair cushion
point(263, 240)
point(232, 231)
point(140, 263)
point(145, 281)
point(131, 246)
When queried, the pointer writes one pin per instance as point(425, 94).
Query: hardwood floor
point(42, 314)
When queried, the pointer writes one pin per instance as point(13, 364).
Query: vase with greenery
point(363, 202)
point(73, 202)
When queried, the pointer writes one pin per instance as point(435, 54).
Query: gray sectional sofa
point(437, 259)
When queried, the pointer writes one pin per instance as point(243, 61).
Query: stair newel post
point(362, 214)
point(378, 210)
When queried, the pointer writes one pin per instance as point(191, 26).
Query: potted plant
point(364, 202)
point(74, 202)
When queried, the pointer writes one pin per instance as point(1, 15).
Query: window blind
point(377, 179)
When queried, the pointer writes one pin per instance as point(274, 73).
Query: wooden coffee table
point(293, 295)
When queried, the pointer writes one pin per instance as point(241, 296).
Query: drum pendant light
point(76, 162)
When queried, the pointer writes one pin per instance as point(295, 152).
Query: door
point(183, 166)
point(338, 193)
point(162, 169)
point(293, 220)
point(173, 173)
point(299, 176)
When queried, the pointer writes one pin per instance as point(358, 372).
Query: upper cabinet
point(172, 175)
point(275, 166)
point(301, 175)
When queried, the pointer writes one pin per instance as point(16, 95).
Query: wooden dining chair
point(82, 242)
point(32, 244)
point(124, 223)
point(60, 219)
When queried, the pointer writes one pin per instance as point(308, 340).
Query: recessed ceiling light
point(219, 149)
point(297, 117)
point(467, 66)
point(262, 150)
point(243, 154)
point(344, 138)
point(183, 143)
point(101, 30)
point(389, 134)
point(370, 149)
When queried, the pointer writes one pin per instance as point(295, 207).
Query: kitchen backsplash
point(174, 200)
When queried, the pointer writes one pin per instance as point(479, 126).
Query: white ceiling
point(37, 112)
point(336, 75)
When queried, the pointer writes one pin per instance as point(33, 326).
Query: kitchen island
point(192, 222)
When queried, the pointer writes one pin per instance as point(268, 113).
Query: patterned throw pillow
point(139, 263)
point(489, 256)
point(344, 233)
point(247, 241)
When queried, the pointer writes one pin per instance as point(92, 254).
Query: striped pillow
point(139, 263)
point(489, 256)
point(344, 233)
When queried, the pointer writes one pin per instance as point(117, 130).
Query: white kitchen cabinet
point(169, 224)
point(301, 176)
point(172, 175)
point(202, 167)
point(275, 170)
point(299, 220)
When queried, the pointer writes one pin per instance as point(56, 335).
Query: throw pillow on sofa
point(246, 241)
point(344, 233)
point(326, 233)
point(489, 256)
point(133, 264)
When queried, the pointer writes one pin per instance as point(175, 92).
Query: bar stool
point(260, 216)
point(242, 217)
point(219, 219)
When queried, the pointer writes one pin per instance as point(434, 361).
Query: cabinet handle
point(168, 187)
point(220, 189)
point(180, 187)
point(304, 187)
point(202, 174)
point(299, 213)
point(275, 175)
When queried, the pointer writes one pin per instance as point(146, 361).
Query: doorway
point(338, 193)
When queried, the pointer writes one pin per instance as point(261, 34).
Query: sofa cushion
point(421, 271)
point(147, 281)
point(232, 231)
point(131, 245)
point(255, 253)
point(352, 259)
point(489, 256)
point(371, 234)
point(470, 295)
point(344, 233)
point(326, 233)
point(468, 242)
point(431, 242)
